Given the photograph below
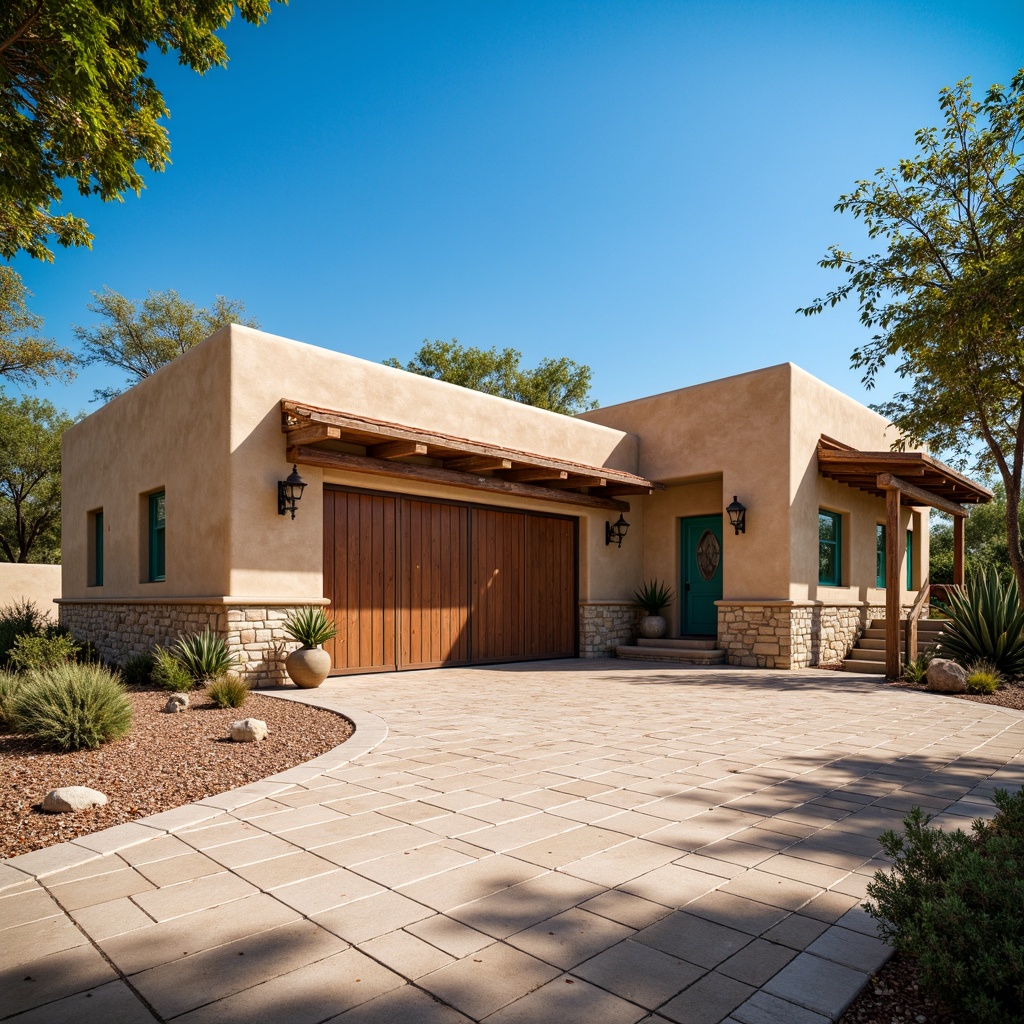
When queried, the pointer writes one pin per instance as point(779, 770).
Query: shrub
point(72, 707)
point(916, 671)
point(169, 673)
point(952, 901)
point(228, 692)
point(986, 623)
point(137, 669)
point(10, 683)
point(16, 619)
point(983, 677)
point(204, 655)
point(42, 650)
point(653, 596)
point(310, 626)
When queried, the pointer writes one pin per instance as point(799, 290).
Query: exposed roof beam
point(477, 463)
point(888, 482)
point(314, 433)
point(525, 476)
point(393, 449)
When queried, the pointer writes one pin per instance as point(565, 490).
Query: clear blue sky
point(645, 187)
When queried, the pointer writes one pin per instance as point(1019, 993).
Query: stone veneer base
point(605, 625)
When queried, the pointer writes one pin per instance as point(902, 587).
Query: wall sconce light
point(289, 492)
point(614, 532)
point(737, 515)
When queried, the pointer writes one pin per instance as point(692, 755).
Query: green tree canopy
point(77, 104)
point(560, 385)
point(30, 431)
point(945, 299)
point(139, 338)
point(25, 356)
point(985, 545)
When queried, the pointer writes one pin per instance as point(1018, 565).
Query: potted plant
point(652, 597)
point(308, 665)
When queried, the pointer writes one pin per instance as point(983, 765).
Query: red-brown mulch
point(894, 996)
point(166, 760)
point(1009, 695)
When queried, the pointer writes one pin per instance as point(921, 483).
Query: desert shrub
point(204, 655)
point(137, 669)
point(72, 707)
point(983, 677)
point(10, 683)
point(42, 650)
point(652, 596)
point(986, 623)
point(916, 671)
point(169, 673)
point(228, 692)
point(17, 619)
point(952, 901)
point(310, 627)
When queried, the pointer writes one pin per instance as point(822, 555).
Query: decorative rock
point(945, 676)
point(176, 702)
point(72, 798)
point(249, 730)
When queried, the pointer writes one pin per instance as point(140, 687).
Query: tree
point(30, 431)
point(24, 355)
point(946, 298)
point(985, 545)
point(77, 104)
point(560, 385)
point(139, 338)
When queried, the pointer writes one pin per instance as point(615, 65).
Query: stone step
point(676, 655)
point(869, 653)
point(684, 643)
point(876, 668)
point(923, 643)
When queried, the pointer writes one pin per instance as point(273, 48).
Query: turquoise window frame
point(910, 559)
point(97, 570)
point(833, 544)
point(880, 555)
point(157, 537)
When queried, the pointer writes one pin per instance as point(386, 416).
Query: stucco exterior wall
point(32, 582)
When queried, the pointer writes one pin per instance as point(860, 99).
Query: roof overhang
point(919, 479)
point(330, 439)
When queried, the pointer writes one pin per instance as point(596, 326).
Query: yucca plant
point(204, 655)
point(653, 596)
point(310, 626)
point(916, 671)
point(986, 624)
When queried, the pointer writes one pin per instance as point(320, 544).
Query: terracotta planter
point(308, 666)
point(653, 627)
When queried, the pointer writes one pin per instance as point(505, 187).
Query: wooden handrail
point(910, 637)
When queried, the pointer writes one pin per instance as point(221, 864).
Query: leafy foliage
point(228, 692)
point(916, 671)
point(25, 356)
point(72, 707)
point(945, 297)
point(204, 655)
point(986, 623)
point(43, 650)
point(10, 684)
point(78, 105)
point(169, 673)
point(560, 385)
point(652, 596)
point(952, 901)
point(16, 619)
point(985, 543)
point(310, 627)
point(139, 338)
point(137, 669)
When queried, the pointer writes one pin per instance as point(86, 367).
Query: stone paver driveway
point(569, 841)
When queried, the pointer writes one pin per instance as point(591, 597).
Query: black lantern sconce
point(737, 515)
point(615, 532)
point(289, 492)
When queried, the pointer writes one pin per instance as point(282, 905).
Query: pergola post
point(958, 551)
point(892, 583)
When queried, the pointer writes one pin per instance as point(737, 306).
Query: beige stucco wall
point(35, 583)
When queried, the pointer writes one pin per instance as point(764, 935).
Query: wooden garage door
point(415, 583)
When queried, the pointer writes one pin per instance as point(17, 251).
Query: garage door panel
point(550, 605)
point(498, 614)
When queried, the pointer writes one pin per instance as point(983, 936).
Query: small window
point(157, 544)
point(96, 548)
point(880, 555)
point(910, 559)
point(830, 548)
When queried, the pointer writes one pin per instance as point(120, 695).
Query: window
point(96, 548)
point(880, 555)
point(910, 559)
point(830, 548)
point(157, 544)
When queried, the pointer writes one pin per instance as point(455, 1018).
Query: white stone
point(946, 676)
point(249, 730)
point(72, 798)
point(176, 702)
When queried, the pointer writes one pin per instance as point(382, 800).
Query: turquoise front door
point(701, 574)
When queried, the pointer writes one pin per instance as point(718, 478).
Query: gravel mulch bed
point(893, 996)
point(1009, 695)
point(165, 761)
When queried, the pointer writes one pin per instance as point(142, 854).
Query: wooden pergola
point(913, 479)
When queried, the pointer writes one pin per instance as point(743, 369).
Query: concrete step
point(684, 643)
point(876, 668)
point(674, 655)
point(869, 653)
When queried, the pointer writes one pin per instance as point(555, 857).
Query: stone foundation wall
point(604, 625)
point(253, 633)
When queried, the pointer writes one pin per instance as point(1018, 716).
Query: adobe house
point(443, 526)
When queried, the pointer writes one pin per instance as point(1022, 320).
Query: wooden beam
point(477, 463)
point(617, 489)
point(958, 552)
point(580, 481)
point(396, 449)
point(343, 462)
point(313, 433)
point(872, 466)
point(888, 482)
point(526, 476)
point(892, 584)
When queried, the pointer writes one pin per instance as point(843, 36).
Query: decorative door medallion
point(709, 554)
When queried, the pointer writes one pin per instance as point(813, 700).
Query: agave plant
point(986, 623)
point(653, 596)
point(310, 626)
point(204, 655)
